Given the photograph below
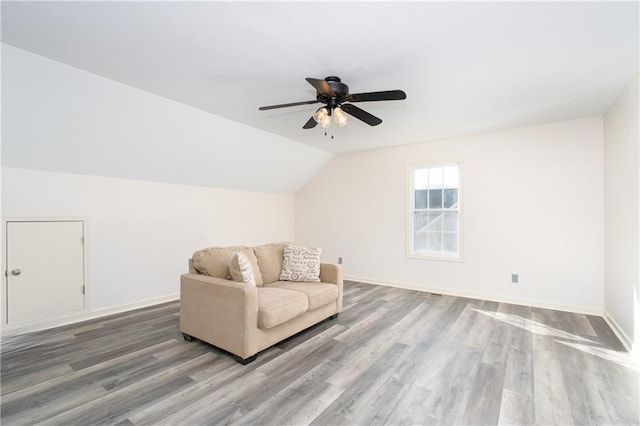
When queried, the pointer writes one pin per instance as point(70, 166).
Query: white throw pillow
point(300, 263)
point(241, 270)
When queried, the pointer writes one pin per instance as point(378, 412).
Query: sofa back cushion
point(269, 258)
point(214, 261)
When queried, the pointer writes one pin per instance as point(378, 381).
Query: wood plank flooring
point(394, 357)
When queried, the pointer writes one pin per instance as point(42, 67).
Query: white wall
point(532, 204)
point(622, 215)
point(59, 118)
point(141, 234)
point(77, 144)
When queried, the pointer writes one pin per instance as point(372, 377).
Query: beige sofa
point(244, 319)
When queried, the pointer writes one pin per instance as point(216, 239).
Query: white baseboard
point(481, 296)
point(12, 330)
point(619, 332)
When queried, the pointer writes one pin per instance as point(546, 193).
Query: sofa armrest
point(332, 273)
point(221, 312)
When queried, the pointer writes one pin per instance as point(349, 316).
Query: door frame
point(42, 323)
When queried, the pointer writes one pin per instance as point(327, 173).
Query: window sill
point(457, 259)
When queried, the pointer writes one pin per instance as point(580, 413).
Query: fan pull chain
point(329, 128)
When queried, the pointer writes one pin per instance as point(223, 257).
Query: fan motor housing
point(339, 89)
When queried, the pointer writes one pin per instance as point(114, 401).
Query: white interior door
point(45, 269)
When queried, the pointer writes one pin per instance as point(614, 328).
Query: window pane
point(450, 222)
point(435, 222)
point(451, 177)
point(420, 221)
point(421, 178)
point(434, 242)
point(435, 198)
point(420, 242)
point(450, 243)
point(450, 198)
point(421, 197)
point(435, 178)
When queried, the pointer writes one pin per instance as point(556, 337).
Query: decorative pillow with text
point(240, 269)
point(300, 263)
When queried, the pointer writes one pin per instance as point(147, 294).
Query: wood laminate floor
point(394, 356)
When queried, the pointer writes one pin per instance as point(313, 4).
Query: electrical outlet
point(339, 261)
point(515, 278)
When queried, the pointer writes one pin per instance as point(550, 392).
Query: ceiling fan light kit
point(340, 117)
point(323, 117)
point(335, 95)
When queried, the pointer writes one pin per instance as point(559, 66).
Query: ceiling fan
point(335, 94)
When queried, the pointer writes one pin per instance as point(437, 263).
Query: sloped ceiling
point(63, 119)
point(466, 67)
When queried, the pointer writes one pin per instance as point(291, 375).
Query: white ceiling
point(466, 67)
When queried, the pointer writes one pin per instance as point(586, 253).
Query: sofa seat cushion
point(319, 294)
point(278, 305)
point(214, 261)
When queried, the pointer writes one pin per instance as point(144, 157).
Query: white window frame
point(410, 253)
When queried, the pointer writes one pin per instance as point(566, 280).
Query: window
point(434, 211)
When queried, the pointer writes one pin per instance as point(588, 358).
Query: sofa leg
point(245, 361)
point(334, 316)
point(187, 337)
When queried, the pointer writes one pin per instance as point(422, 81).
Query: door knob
point(16, 272)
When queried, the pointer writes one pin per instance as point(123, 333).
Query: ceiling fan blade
point(361, 114)
point(264, 108)
point(321, 86)
point(310, 124)
point(387, 95)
